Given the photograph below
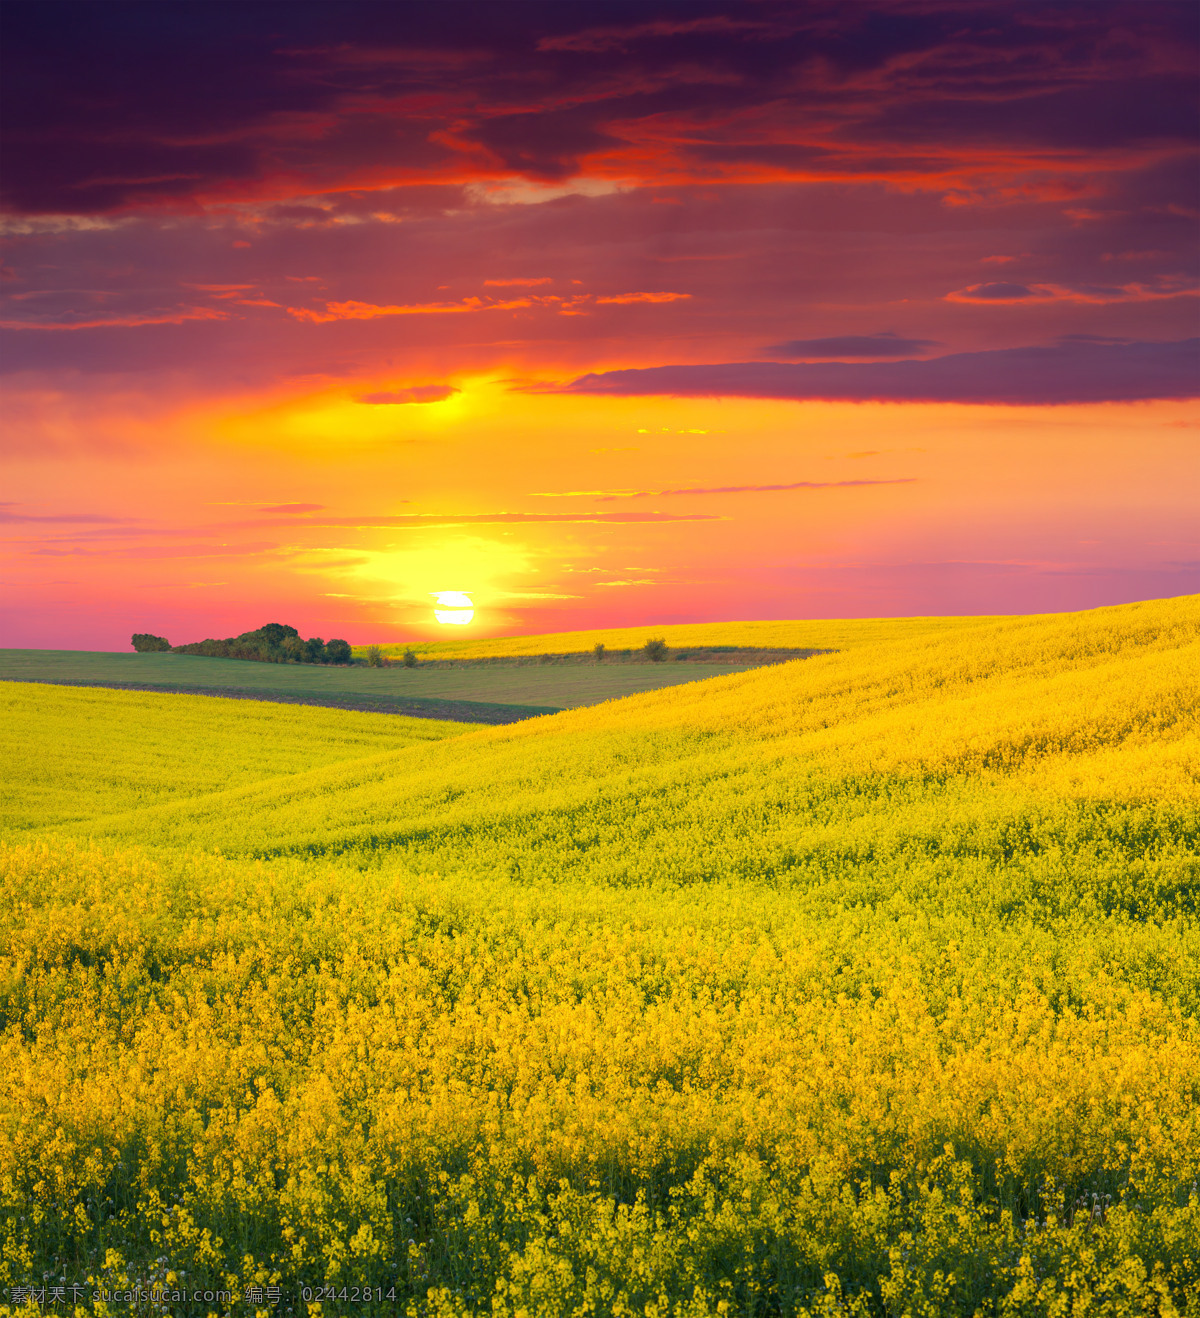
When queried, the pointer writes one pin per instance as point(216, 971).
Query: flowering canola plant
point(866, 984)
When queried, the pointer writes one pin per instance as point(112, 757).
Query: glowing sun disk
point(454, 607)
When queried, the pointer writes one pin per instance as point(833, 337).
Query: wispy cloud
point(259, 549)
point(1001, 292)
point(374, 311)
point(422, 393)
point(118, 322)
point(60, 519)
point(762, 489)
point(607, 495)
point(622, 299)
point(223, 290)
point(417, 520)
point(563, 306)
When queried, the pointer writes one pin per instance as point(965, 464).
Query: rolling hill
point(866, 984)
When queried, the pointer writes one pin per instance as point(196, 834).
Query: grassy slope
point(848, 975)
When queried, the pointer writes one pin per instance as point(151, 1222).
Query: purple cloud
point(1071, 372)
point(997, 291)
point(852, 346)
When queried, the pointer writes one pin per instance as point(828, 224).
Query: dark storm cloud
point(1076, 371)
point(852, 346)
point(134, 104)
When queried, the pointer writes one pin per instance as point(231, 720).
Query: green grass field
point(489, 693)
point(864, 985)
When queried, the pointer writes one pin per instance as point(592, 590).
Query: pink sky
point(607, 314)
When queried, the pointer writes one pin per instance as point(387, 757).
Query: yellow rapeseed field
point(143, 747)
point(828, 634)
point(863, 985)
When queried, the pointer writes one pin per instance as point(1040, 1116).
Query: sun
point(453, 607)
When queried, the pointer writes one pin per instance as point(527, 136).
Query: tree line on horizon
point(277, 643)
point(273, 643)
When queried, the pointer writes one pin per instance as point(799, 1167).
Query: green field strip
point(425, 691)
point(722, 655)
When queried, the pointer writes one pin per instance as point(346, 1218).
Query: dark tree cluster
point(274, 643)
point(144, 643)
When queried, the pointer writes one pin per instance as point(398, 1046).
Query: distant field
point(489, 694)
point(808, 634)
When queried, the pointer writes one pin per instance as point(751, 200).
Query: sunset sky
point(604, 313)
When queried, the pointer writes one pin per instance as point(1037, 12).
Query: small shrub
point(598, 651)
point(337, 651)
point(374, 657)
point(410, 659)
point(655, 649)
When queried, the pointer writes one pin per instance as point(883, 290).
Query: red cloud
point(1098, 295)
point(623, 298)
point(564, 306)
point(372, 311)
